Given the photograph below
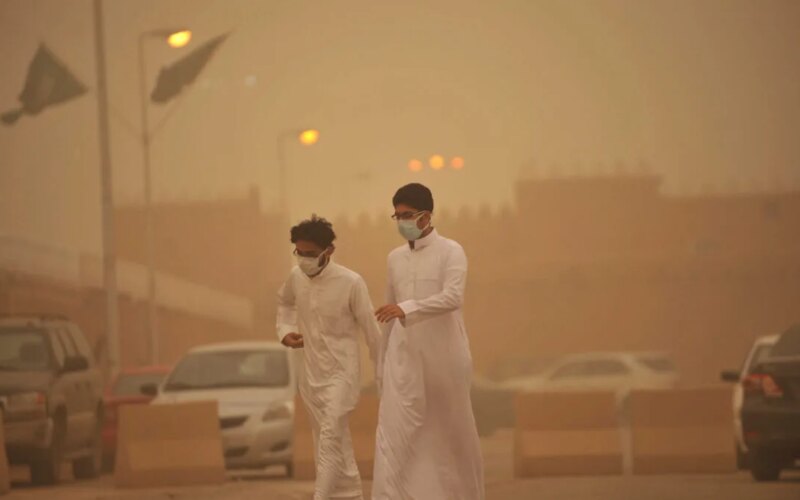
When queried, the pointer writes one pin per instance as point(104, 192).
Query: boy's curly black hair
point(316, 230)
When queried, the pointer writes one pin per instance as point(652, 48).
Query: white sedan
point(254, 384)
point(610, 371)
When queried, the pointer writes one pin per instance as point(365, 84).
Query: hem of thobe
point(347, 495)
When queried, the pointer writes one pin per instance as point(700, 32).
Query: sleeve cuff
point(284, 330)
point(409, 307)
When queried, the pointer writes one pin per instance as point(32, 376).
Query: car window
point(759, 355)
point(788, 344)
point(131, 384)
point(58, 348)
point(605, 368)
point(80, 342)
point(657, 364)
point(24, 349)
point(228, 369)
point(67, 342)
point(520, 367)
point(569, 370)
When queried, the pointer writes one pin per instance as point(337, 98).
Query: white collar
point(425, 241)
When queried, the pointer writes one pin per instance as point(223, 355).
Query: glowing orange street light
point(415, 165)
point(436, 162)
point(457, 163)
point(179, 39)
point(309, 137)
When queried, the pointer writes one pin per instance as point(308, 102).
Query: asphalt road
point(500, 485)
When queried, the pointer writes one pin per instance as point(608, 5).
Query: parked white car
point(254, 384)
point(609, 371)
point(758, 353)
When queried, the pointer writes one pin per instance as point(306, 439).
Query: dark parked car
point(50, 396)
point(771, 409)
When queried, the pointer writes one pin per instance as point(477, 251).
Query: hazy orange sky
point(702, 92)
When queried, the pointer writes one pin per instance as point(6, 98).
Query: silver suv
point(50, 397)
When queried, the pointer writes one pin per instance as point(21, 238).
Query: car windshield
point(230, 369)
point(590, 368)
point(24, 349)
point(520, 367)
point(658, 364)
point(131, 384)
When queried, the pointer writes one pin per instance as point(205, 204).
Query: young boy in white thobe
point(427, 446)
point(320, 308)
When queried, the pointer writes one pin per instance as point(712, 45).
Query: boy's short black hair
point(414, 195)
point(316, 230)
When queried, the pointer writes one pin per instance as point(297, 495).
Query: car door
point(70, 391)
point(88, 386)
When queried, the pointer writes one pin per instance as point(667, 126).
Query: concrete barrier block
point(5, 472)
point(570, 433)
point(169, 445)
point(682, 431)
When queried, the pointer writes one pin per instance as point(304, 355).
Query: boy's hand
point(389, 312)
point(293, 340)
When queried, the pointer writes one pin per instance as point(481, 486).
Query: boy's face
point(406, 212)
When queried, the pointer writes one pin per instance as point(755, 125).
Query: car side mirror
point(75, 364)
point(730, 376)
point(149, 389)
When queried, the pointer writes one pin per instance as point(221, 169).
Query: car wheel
point(46, 468)
point(764, 467)
point(90, 466)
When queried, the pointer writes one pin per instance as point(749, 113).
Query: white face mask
point(409, 230)
point(311, 265)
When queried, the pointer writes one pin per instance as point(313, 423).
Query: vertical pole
point(107, 198)
point(152, 306)
point(282, 181)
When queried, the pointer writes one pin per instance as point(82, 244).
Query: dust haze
point(624, 176)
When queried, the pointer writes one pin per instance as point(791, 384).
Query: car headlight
point(281, 411)
point(27, 401)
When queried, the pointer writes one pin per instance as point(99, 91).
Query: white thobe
point(328, 310)
point(427, 445)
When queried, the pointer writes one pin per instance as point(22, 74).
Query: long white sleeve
point(287, 310)
point(449, 299)
point(364, 313)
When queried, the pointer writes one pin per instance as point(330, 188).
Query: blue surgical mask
point(408, 228)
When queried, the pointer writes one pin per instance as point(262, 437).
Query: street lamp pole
point(283, 200)
point(176, 38)
point(107, 197)
point(152, 307)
